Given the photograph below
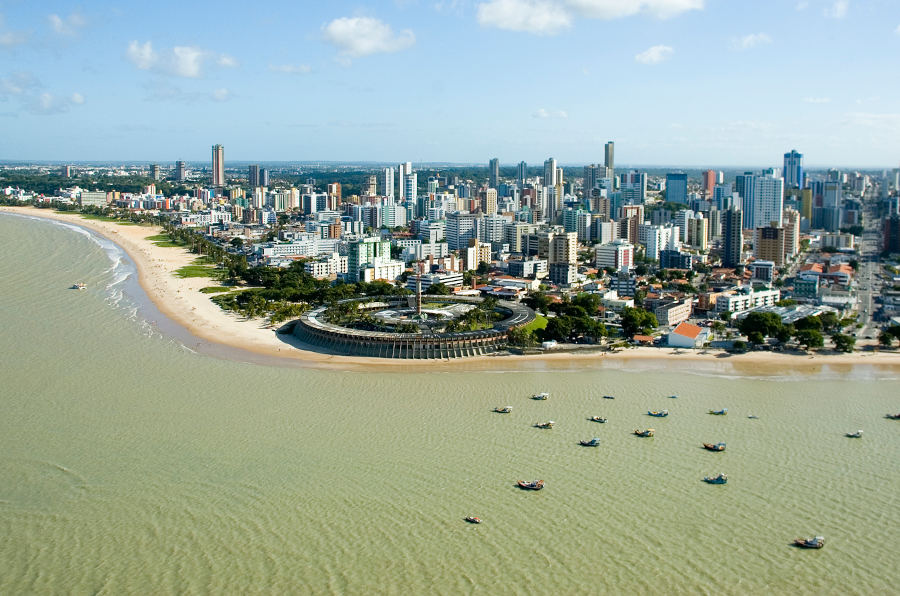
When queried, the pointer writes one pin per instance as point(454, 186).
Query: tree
point(520, 336)
point(483, 268)
point(438, 289)
point(813, 323)
point(765, 323)
point(237, 242)
point(537, 301)
point(784, 334)
point(725, 315)
point(809, 338)
point(830, 321)
point(739, 346)
point(640, 270)
point(886, 339)
point(636, 320)
point(756, 338)
point(843, 343)
point(558, 328)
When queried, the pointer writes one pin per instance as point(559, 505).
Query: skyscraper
point(253, 175)
point(634, 187)
point(609, 159)
point(218, 165)
point(404, 169)
point(550, 172)
point(733, 238)
point(709, 181)
point(494, 173)
point(411, 187)
point(521, 170)
point(676, 188)
point(263, 177)
point(793, 169)
point(155, 172)
point(180, 173)
point(387, 182)
point(768, 201)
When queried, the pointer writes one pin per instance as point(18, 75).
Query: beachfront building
point(686, 335)
point(369, 259)
point(328, 267)
point(92, 198)
point(745, 298)
point(672, 312)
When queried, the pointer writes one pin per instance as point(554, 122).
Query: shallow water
point(132, 464)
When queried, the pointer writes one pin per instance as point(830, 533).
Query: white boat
point(541, 396)
point(79, 286)
point(856, 435)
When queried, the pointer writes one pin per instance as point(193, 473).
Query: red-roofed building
point(686, 335)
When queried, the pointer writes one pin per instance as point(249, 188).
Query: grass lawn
point(199, 271)
point(164, 241)
point(215, 289)
point(539, 322)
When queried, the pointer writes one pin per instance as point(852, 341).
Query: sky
point(672, 82)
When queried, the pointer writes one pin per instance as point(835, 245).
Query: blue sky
point(673, 82)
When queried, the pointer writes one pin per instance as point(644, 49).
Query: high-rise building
point(698, 232)
point(410, 187)
point(791, 225)
point(404, 169)
point(494, 173)
point(891, 234)
point(66, 171)
point(676, 188)
point(264, 177)
point(521, 171)
point(633, 186)
point(709, 181)
point(793, 169)
point(180, 172)
point(549, 172)
point(155, 171)
point(218, 165)
point(831, 205)
point(387, 182)
point(489, 201)
point(732, 238)
point(618, 254)
point(769, 244)
point(461, 228)
point(768, 201)
point(253, 175)
point(610, 159)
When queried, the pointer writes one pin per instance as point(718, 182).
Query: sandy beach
point(180, 300)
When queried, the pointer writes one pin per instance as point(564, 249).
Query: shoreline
point(181, 301)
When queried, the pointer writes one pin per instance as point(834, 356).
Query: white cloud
point(290, 68)
point(838, 9)
point(355, 37)
point(548, 17)
point(802, 5)
point(655, 55)
point(221, 94)
point(532, 16)
point(28, 91)
point(68, 25)
point(750, 41)
point(181, 61)
point(8, 38)
point(816, 100)
point(897, 30)
point(544, 114)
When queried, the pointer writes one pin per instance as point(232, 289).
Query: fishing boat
point(644, 433)
point(540, 396)
point(473, 520)
point(533, 485)
point(753, 417)
point(856, 435)
point(548, 424)
point(609, 397)
point(721, 412)
point(595, 442)
point(658, 413)
point(503, 410)
point(717, 479)
point(599, 419)
point(817, 542)
point(673, 397)
point(892, 416)
point(79, 286)
point(714, 446)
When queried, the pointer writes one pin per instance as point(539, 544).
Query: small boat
point(658, 413)
point(548, 424)
point(595, 442)
point(79, 286)
point(644, 433)
point(721, 412)
point(540, 396)
point(609, 397)
point(473, 520)
point(714, 446)
point(892, 416)
point(673, 397)
point(753, 417)
point(717, 479)
point(533, 485)
point(599, 419)
point(856, 435)
point(817, 542)
point(503, 410)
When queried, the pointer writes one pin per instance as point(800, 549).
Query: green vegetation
point(638, 320)
point(215, 289)
point(198, 271)
point(539, 322)
point(843, 343)
point(165, 241)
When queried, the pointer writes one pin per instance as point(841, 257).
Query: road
point(867, 278)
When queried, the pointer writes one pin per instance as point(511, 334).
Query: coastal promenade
point(181, 300)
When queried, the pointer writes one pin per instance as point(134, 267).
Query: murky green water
point(130, 464)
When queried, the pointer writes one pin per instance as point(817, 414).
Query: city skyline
point(669, 82)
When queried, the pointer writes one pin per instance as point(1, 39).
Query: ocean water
point(132, 462)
